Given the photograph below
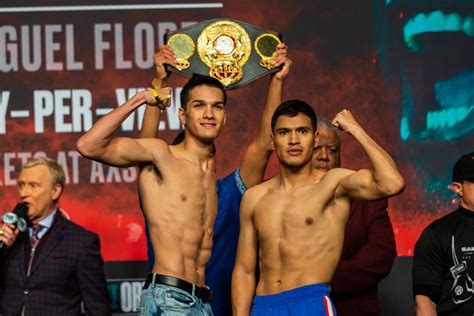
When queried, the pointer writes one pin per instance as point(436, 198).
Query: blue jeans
point(165, 300)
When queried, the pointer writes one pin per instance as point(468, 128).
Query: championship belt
point(234, 52)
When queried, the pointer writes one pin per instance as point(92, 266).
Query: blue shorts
point(166, 300)
point(306, 300)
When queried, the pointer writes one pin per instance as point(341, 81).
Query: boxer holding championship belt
point(234, 52)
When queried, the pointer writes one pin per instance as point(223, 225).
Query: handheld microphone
point(17, 217)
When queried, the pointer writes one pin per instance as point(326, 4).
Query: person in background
point(443, 262)
point(56, 264)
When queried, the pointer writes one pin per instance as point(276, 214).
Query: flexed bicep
point(100, 144)
point(384, 178)
point(127, 152)
point(361, 185)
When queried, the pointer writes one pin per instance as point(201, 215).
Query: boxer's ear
point(182, 116)
point(316, 139)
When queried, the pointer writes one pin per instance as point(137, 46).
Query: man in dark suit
point(369, 244)
point(56, 264)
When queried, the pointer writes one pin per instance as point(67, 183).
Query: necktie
point(35, 235)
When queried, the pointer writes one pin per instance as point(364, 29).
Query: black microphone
point(17, 218)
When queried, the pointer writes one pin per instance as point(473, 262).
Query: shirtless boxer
point(298, 223)
point(230, 188)
point(181, 223)
point(369, 244)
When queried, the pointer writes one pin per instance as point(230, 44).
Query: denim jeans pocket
point(177, 299)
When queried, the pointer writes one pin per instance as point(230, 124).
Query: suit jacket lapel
point(55, 235)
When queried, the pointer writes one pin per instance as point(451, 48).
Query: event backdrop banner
point(403, 67)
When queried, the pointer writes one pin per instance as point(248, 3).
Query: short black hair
point(200, 80)
point(292, 108)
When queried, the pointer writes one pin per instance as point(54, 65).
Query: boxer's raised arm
point(100, 145)
point(254, 162)
point(383, 180)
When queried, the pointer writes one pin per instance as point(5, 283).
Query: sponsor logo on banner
point(125, 295)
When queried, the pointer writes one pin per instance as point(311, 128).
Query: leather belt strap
point(203, 293)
